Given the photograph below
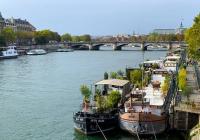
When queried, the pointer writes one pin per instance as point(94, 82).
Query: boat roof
point(155, 96)
point(8, 47)
point(160, 70)
point(170, 62)
point(173, 57)
point(114, 82)
point(152, 61)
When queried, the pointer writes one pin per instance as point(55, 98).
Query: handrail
point(170, 94)
point(195, 130)
point(197, 74)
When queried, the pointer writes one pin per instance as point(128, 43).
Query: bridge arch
point(119, 46)
point(96, 46)
point(80, 47)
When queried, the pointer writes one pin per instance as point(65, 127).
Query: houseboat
point(143, 112)
point(36, 52)
point(92, 121)
point(8, 52)
point(154, 64)
point(171, 62)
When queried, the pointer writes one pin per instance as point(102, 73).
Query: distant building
point(164, 31)
point(122, 37)
point(179, 30)
point(16, 24)
point(2, 23)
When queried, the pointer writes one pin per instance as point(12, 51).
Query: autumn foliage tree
point(136, 77)
point(166, 85)
point(44, 36)
point(192, 37)
point(9, 35)
point(182, 79)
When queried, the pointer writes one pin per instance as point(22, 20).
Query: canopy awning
point(114, 82)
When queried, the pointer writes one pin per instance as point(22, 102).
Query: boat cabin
point(158, 76)
point(8, 52)
point(153, 64)
point(171, 62)
point(123, 86)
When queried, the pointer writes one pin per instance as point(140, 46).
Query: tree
point(85, 91)
point(66, 37)
point(113, 75)
point(105, 75)
point(165, 86)
point(152, 37)
point(56, 37)
point(76, 39)
point(107, 102)
point(136, 77)
point(113, 98)
point(2, 40)
point(85, 38)
point(192, 37)
point(180, 37)
point(24, 37)
point(9, 35)
point(44, 36)
point(182, 79)
point(101, 103)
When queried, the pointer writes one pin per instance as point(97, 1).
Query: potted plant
point(86, 92)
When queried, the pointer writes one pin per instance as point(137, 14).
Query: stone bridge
point(118, 45)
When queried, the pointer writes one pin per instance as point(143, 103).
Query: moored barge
point(95, 116)
point(144, 112)
point(94, 123)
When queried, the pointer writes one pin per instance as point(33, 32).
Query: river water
point(38, 94)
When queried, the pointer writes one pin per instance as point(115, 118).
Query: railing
point(197, 74)
point(195, 131)
point(189, 107)
point(170, 94)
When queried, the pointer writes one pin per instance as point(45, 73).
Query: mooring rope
point(137, 134)
point(101, 131)
point(153, 131)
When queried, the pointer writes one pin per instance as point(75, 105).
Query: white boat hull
point(9, 52)
point(37, 52)
point(8, 57)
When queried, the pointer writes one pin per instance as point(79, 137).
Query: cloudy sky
point(102, 17)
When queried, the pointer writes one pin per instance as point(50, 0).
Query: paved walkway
point(194, 96)
point(192, 82)
point(191, 77)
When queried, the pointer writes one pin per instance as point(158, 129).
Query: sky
point(102, 17)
